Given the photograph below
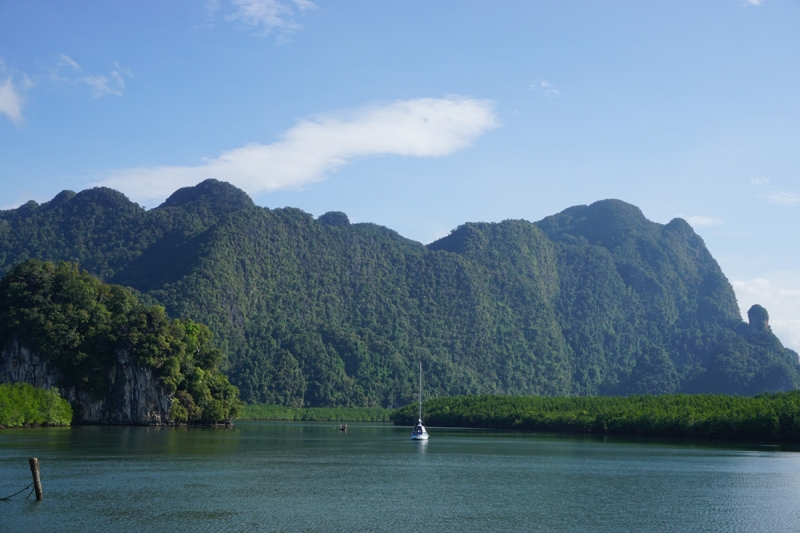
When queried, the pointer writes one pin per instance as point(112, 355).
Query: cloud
point(548, 89)
point(308, 152)
point(753, 2)
point(211, 7)
point(304, 5)
point(758, 181)
point(782, 198)
point(268, 16)
point(12, 95)
point(780, 295)
point(700, 221)
point(67, 70)
point(10, 101)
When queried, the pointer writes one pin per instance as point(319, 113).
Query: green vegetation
point(81, 325)
point(596, 300)
point(312, 414)
point(766, 417)
point(22, 405)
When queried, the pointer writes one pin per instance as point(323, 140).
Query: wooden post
point(37, 483)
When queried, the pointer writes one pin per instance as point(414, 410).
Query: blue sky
point(423, 115)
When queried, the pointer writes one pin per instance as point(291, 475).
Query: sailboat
point(419, 433)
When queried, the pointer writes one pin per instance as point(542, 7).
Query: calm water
point(309, 477)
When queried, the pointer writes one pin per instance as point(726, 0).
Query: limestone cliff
point(134, 396)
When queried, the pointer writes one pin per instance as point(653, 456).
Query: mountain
point(594, 300)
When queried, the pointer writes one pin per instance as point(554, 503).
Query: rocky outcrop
point(758, 317)
point(134, 396)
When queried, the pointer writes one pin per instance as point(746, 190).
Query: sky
point(421, 115)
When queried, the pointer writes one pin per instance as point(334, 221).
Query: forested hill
point(321, 312)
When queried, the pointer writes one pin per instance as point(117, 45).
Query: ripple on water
point(310, 477)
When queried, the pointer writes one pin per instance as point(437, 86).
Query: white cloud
point(268, 16)
point(780, 295)
point(306, 153)
point(12, 95)
point(211, 7)
point(782, 198)
point(303, 5)
point(700, 221)
point(548, 89)
point(759, 181)
point(10, 101)
point(67, 70)
point(753, 2)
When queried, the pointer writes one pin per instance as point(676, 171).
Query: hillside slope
point(593, 300)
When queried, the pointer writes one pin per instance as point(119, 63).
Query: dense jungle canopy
point(595, 300)
point(80, 325)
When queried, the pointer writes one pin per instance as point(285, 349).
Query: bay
point(309, 477)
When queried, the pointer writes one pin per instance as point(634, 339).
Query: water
point(309, 477)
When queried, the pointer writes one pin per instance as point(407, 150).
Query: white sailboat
point(419, 433)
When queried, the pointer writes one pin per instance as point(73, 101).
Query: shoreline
point(766, 418)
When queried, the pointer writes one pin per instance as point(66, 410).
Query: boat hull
point(419, 432)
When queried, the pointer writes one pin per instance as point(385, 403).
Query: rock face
point(134, 397)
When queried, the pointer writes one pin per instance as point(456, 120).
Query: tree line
point(22, 404)
point(765, 417)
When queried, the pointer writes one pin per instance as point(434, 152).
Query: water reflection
point(421, 445)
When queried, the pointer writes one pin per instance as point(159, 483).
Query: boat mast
point(420, 391)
